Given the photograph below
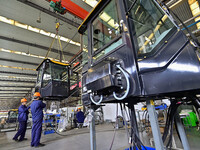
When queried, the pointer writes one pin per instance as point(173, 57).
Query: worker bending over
point(22, 118)
point(37, 117)
point(80, 116)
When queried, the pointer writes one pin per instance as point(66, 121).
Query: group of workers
point(37, 117)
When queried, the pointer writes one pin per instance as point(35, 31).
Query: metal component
point(154, 125)
point(34, 45)
point(92, 131)
point(182, 133)
point(50, 13)
point(73, 8)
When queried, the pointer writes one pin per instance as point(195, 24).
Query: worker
point(37, 117)
point(80, 116)
point(22, 118)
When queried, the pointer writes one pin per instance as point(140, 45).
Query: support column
point(181, 132)
point(92, 131)
point(154, 125)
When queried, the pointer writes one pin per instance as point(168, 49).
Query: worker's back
point(36, 109)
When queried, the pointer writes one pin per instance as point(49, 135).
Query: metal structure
point(137, 52)
point(54, 80)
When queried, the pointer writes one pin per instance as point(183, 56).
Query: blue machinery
point(137, 53)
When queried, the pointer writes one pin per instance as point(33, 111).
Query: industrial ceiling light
point(21, 68)
point(34, 29)
point(194, 7)
point(28, 54)
point(92, 3)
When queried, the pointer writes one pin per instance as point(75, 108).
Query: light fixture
point(92, 3)
point(33, 29)
point(29, 55)
point(194, 7)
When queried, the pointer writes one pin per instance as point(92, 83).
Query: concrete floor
point(79, 139)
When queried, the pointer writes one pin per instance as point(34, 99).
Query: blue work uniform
point(80, 117)
point(37, 117)
point(22, 118)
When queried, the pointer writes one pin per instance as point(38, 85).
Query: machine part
point(116, 127)
point(127, 83)
point(182, 133)
point(92, 132)
point(73, 8)
point(154, 125)
point(54, 80)
point(96, 103)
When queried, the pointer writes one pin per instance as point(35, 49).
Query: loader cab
point(53, 80)
point(134, 47)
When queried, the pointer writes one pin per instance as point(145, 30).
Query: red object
point(73, 86)
point(73, 8)
point(76, 64)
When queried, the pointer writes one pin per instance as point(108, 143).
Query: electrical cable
point(96, 103)
point(127, 83)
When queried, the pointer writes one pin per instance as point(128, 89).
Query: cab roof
point(53, 61)
point(95, 10)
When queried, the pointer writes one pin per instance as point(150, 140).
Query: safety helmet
point(37, 94)
point(23, 100)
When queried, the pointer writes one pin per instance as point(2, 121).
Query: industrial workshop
point(100, 74)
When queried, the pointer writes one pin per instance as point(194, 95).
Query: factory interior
point(100, 74)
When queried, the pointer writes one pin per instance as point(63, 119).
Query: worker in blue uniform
point(80, 116)
point(22, 118)
point(37, 116)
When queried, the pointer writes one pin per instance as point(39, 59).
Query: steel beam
point(35, 45)
point(50, 13)
point(17, 81)
point(19, 61)
point(18, 73)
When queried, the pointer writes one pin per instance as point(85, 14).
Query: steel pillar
point(154, 125)
point(181, 132)
point(92, 131)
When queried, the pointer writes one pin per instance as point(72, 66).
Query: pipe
point(127, 83)
point(191, 25)
point(96, 103)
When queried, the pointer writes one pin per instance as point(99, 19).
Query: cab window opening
point(151, 25)
point(105, 28)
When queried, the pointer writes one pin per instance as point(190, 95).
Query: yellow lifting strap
point(60, 45)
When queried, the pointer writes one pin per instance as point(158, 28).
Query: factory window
point(150, 25)
point(105, 26)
